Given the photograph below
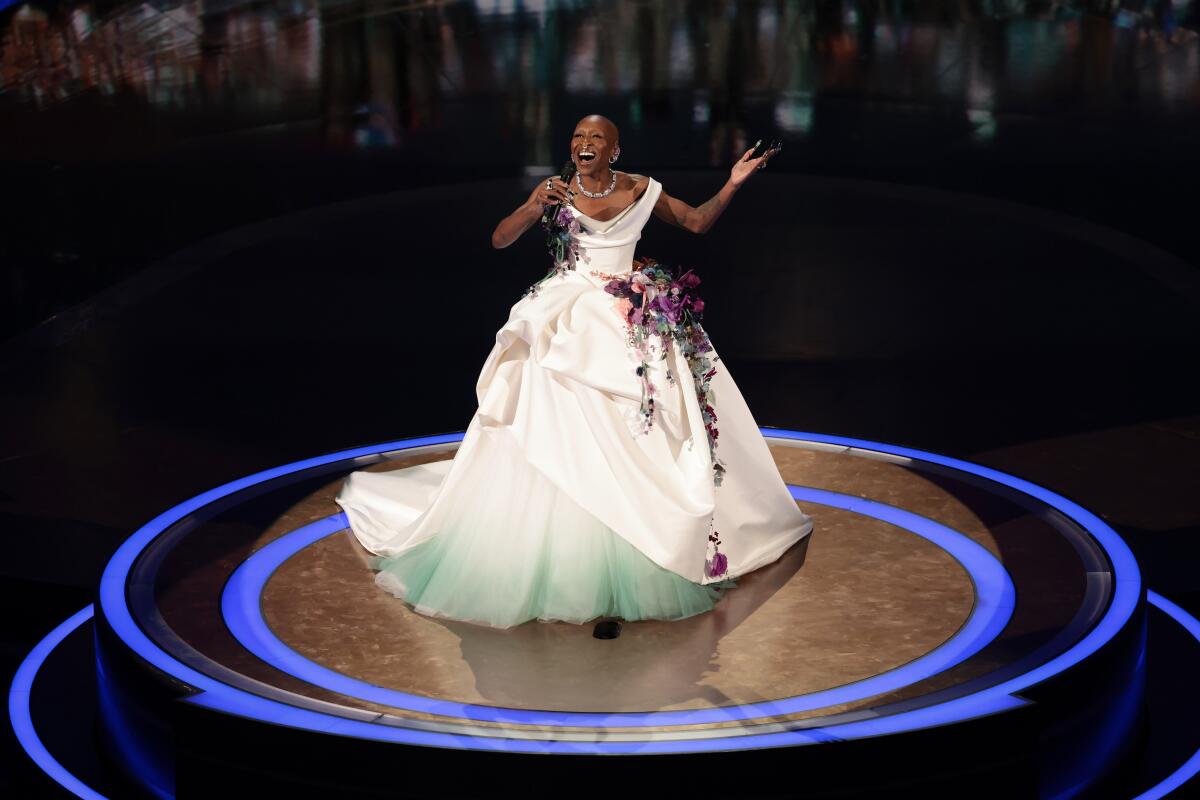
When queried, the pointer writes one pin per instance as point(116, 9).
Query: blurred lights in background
point(371, 70)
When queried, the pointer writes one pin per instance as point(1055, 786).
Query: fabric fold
point(558, 413)
point(518, 548)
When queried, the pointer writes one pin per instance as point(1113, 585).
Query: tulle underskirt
point(515, 548)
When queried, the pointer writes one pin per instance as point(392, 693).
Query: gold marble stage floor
point(858, 598)
point(955, 625)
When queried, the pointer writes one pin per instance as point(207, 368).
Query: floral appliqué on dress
point(651, 301)
point(562, 240)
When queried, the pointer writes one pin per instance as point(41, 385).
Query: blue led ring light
point(241, 608)
point(216, 695)
point(22, 721)
point(18, 706)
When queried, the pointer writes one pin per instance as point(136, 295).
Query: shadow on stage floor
point(997, 333)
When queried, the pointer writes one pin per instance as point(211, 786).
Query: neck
point(598, 183)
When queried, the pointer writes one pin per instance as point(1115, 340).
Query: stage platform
point(949, 623)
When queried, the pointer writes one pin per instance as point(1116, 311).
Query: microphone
point(568, 172)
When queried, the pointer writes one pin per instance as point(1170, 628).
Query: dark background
point(237, 234)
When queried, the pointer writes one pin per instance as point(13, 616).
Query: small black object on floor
point(608, 629)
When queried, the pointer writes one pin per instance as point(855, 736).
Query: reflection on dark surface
point(511, 666)
point(128, 130)
point(1009, 335)
point(224, 66)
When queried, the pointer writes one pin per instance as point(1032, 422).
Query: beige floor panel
point(857, 598)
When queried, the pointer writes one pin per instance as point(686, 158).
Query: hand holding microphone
point(556, 191)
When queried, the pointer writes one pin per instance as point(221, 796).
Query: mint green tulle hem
point(577, 576)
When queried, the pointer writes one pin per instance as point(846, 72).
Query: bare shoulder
point(633, 180)
point(636, 182)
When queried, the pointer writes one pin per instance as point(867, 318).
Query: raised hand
point(746, 166)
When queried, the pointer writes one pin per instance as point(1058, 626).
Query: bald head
point(594, 145)
point(598, 120)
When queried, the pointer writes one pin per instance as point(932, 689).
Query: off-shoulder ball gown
point(557, 506)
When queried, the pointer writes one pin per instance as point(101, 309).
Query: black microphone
point(568, 172)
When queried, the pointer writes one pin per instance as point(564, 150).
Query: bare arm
point(529, 212)
point(515, 224)
point(695, 219)
point(700, 219)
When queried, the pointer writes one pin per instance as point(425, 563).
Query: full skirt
point(515, 547)
point(557, 506)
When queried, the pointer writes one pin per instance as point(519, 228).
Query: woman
point(590, 482)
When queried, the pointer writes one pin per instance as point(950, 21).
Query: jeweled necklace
point(595, 195)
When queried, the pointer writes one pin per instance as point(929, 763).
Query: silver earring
point(613, 160)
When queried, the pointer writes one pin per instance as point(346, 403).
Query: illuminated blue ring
point(18, 706)
point(227, 699)
point(1126, 575)
point(22, 720)
point(1189, 768)
point(241, 608)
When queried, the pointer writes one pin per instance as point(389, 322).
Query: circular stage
point(937, 605)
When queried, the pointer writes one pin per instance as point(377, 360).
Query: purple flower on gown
point(653, 301)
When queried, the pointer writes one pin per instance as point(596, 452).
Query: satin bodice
point(608, 246)
point(561, 421)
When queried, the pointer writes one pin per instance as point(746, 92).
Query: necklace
point(595, 195)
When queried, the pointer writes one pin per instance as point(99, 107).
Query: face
point(592, 144)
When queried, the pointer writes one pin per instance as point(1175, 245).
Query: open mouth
point(586, 157)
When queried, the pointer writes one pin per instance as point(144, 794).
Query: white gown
point(557, 506)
